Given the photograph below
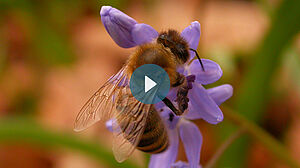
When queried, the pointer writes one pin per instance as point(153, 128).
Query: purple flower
point(203, 104)
point(124, 30)
point(181, 164)
point(180, 126)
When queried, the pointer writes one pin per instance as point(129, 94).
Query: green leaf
point(16, 130)
point(253, 94)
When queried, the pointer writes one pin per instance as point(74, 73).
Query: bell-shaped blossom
point(181, 164)
point(181, 127)
point(203, 104)
point(124, 30)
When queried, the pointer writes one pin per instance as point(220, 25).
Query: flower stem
point(264, 137)
point(13, 131)
point(212, 162)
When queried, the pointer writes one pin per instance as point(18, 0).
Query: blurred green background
point(55, 54)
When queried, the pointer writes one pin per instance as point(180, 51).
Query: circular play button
point(149, 84)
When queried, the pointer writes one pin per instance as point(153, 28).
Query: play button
point(149, 83)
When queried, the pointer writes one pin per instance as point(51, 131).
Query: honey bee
point(138, 125)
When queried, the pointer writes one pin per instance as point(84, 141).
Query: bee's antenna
point(198, 58)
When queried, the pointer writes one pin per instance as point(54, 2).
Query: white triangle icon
point(149, 84)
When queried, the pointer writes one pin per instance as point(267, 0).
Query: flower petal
point(220, 93)
point(182, 69)
point(192, 35)
point(159, 105)
point(169, 118)
point(212, 73)
point(109, 125)
point(168, 157)
point(172, 95)
point(143, 33)
point(181, 164)
point(201, 105)
point(112, 125)
point(192, 141)
point(118, 25)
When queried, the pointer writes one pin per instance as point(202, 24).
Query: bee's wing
point(101, 105)
point(115, 100)
point(129, 126)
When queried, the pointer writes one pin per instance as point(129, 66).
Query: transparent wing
point(101, 105)
point(115, 100)
point(129, 126)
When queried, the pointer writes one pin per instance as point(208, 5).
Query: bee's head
point(178, 46)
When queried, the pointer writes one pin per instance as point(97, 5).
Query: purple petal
point(159, 105)
point(212, 73)
point(201, 105)
point(181, 164)
point(192, 35)
point(220, 93)
point(112, 125)
point(118, 25)
point(169, 118)
point(182, 69)
point(192, 141)
point(109, 125)
point(168, 157)
point(172, 95)
point(119, 78)
point(143, 33)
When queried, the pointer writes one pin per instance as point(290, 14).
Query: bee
point(138, 125)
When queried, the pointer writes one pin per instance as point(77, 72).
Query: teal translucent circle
point(156, 74)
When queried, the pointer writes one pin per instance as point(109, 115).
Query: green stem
point(261, 135)
point(20, 130)
point(212, 162)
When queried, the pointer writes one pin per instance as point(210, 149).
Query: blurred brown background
point(54, 55)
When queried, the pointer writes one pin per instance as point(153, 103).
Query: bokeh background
point(54, 54)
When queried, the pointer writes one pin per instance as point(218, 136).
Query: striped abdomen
point(154, 138)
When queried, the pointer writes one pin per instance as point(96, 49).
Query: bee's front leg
point(169, 104)
point(182, 98)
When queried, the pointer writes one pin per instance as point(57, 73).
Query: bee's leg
point(182, 98)
point(179, 80)
point(171, 106)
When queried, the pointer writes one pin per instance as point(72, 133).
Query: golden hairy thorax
point(154, 53)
